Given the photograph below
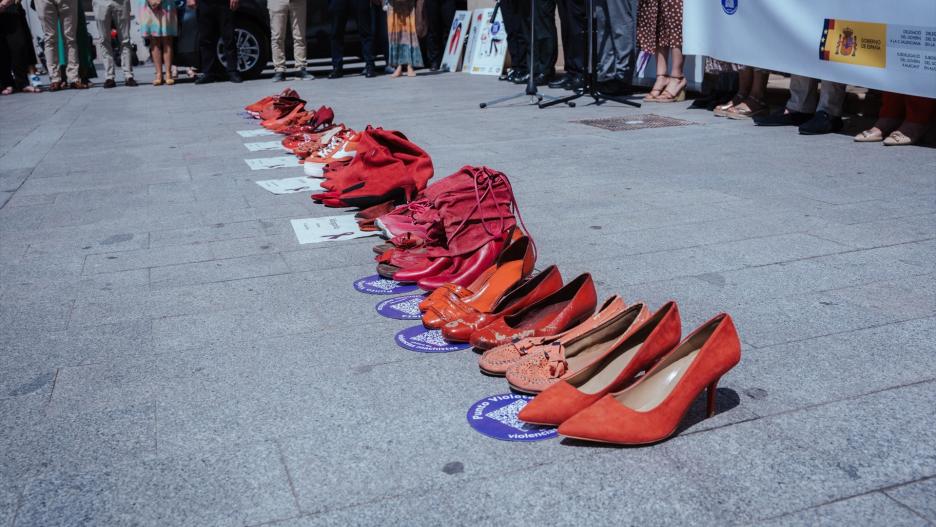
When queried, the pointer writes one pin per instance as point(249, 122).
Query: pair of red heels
point(273, 106)
point(638, 391)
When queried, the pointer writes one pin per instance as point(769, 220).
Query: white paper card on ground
point(491, 48)
point(328, 229)
point(290, 185)
point(451, 59)
point(255, 132)
point(265, 146)
point(477, 16)
point(266, 163)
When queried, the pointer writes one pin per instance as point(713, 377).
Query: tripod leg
point(502, 99)
point(561, 100)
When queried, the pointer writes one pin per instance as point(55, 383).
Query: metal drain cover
point(635, 122)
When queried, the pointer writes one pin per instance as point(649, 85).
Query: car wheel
point(252, 54)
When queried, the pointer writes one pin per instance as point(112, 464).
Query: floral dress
point(162, 22)
point(401, 28)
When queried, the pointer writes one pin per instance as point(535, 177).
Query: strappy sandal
point(720, 110)
point(752, 107)
point(170, 81)
point(7, 91)
point(898, 138)
point(668, 96)
point(872, 135)
point(656, 92)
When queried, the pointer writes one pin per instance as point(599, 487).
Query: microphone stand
point(591, 74)
point(531, 91)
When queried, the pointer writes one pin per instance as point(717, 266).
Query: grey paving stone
point(146, 258)
point(209, 233)
point(917, 496)
point(869, 509)
point(230, 487)
point(218, 270)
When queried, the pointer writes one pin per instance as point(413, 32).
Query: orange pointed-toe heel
point(608, 372)
point(651, 409)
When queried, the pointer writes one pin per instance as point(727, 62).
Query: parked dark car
point(252, 31)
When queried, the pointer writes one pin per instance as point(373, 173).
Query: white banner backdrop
point(883, 45)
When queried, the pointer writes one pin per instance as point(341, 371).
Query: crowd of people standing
point(411, 34)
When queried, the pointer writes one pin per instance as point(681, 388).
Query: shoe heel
point(710, 398)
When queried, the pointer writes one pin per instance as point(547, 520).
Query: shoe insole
point(609, 371)
point(536, 317)
point(584, 350)
point(494, 288)
point(653, 390)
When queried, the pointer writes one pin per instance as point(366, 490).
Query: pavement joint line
point(289, 478)
point(875, 282)
point(883, 490)
point(909, 509)
point(844, 331)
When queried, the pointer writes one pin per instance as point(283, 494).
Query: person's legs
point(803, 95)
point(297, 15)
point(918, 118)
point(279, 14)
point(339, 19)
point(831, 98)
point(622, 15)
point(226, 20)
point(6, 59)
point(167, 56)
point(512, 12)
point(121, 15)
point(103, 9)
point(365, 30)
point(48, 14)
point(434, 32)
point(208, 32)
point(68, 10)
point(545, 33)
point(156, 52)
point(573, 18)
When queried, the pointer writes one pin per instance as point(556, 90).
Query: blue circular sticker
point(496, 416)
point(418, 338)
point(401, 307)
point(378, 285)
point(730, 6)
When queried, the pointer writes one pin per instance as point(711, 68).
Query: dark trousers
point(339, 10)
point(572, 17)
point(440, 14)
point(216, 20)
point(546, 40)
point(616, 28)
point(16, 51)
point(380, 40)
point(516, 15)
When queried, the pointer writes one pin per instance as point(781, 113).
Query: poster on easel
point(455, 45)
point(477, 19)
point(491, 49)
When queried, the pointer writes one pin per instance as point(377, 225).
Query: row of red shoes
point(619, 374)
point(359, 169)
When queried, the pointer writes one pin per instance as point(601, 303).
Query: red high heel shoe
point(608, 372)
point(651, 409)
point(540, 286)
point(565, 308)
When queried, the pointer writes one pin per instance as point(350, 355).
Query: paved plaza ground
point(170, 355)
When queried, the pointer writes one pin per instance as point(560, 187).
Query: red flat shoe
point(540, 286)
point(607, 373)
point(507, 276)
point(548, 364)
point(565, 308)
point(498, 361)
point(651, 409)
point(514, 264)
